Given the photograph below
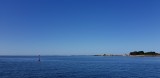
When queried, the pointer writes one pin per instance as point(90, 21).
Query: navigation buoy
point(39, 59)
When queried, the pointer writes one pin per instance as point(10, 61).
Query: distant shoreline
point(132, 55)
point(145, 55)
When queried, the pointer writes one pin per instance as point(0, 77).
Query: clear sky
point(73, 27)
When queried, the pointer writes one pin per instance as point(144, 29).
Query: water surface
point(79, 67)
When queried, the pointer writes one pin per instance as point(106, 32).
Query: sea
point(79, 67)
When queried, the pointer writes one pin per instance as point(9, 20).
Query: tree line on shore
point(144, 53)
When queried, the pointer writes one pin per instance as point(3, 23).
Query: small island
point(134, 53)
point(142, 53)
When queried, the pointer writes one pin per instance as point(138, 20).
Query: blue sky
point(78, 27)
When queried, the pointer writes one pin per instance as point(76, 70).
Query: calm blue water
point(79, 67)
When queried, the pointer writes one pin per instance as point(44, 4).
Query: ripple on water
point(80, 67)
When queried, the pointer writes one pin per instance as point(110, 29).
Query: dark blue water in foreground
point(79, 67)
